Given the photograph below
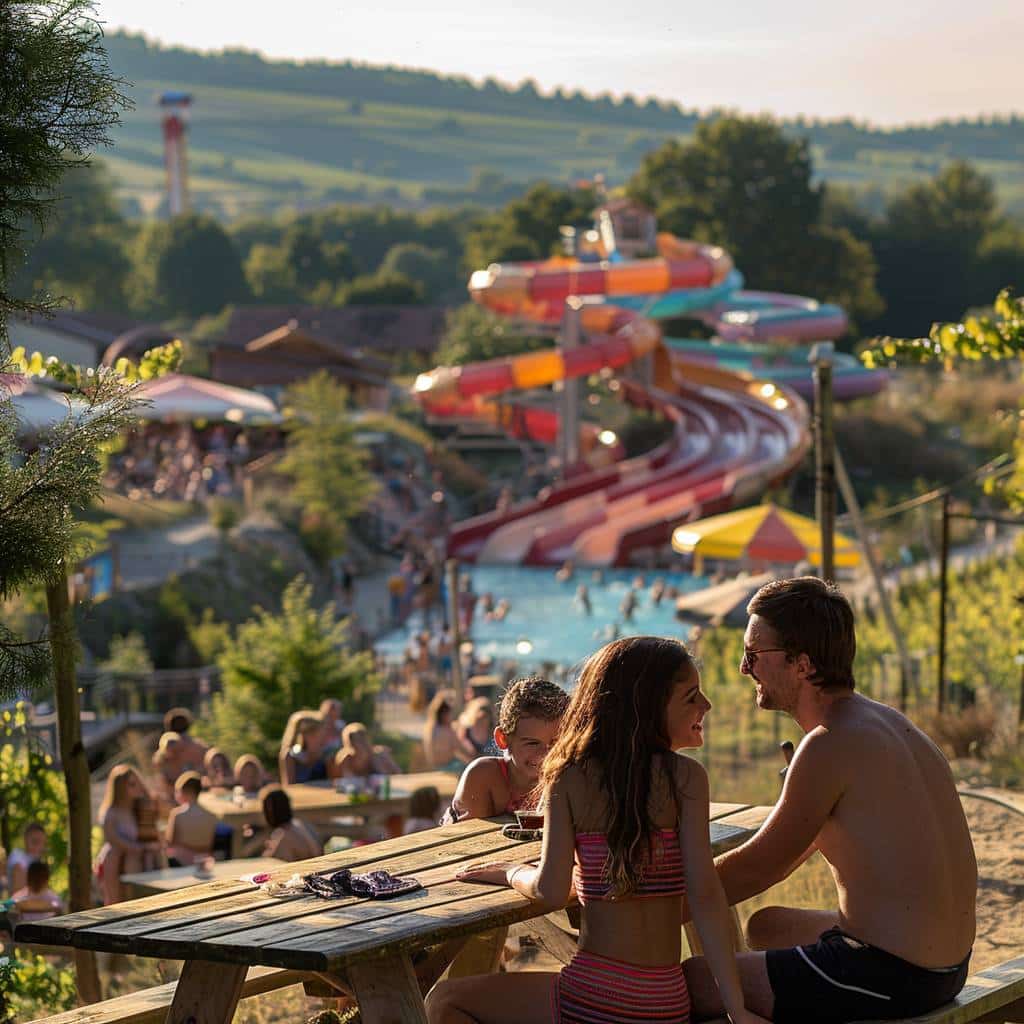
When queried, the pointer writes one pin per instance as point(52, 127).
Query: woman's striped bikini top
point(662, 874)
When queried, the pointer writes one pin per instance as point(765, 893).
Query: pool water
point(545, 622)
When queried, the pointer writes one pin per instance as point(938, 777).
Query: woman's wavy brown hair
point(615, 724)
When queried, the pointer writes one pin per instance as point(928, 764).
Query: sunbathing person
point(631, 817)
point(528, 720)
point(876, 798)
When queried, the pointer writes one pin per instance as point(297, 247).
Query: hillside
point(267, 134)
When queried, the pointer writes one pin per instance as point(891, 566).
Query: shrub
point(279, 663)
point(33, 987)
point(225, 514)
point(968, 732)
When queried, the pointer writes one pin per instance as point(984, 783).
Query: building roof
point(99, 328)
point(381, 330)
point(292, 336)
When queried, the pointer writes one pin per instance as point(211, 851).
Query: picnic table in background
point(319, 802)
point(143, 883)
point(222, 928)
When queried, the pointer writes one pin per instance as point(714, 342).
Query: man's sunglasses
point(750, 656)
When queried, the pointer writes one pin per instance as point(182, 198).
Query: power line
point(996, 468)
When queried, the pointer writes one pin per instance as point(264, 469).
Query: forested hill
point(271, 133)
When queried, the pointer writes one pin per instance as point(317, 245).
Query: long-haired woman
point(631, 817)
point(123, 850)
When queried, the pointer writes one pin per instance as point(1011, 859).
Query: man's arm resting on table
point(814, 784)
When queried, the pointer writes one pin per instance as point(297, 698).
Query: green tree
point(58, 101)
point(187, 266)
point(433, 269)
point(299, 267)
point(128, 656)
point(744, 184)
point(269, 275)
point(277, 664)
point(381, 289)
point(929, 248)
point(83, 253)
point(527, 227)
point(473, 333)
point(330, 482)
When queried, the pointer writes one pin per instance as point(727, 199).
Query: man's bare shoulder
point(823, 755)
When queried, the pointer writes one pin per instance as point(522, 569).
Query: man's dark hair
point(178, 720)
point(190, 783)
point(812, 617)
point(277, 808)
point(33, 826)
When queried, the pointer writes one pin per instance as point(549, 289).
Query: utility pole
point(569, 429)
point(943, 589)
point(824, 455)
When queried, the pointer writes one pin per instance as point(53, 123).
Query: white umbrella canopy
point(179, 398)
point(36, 407)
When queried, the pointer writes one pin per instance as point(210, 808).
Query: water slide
point(735, 432)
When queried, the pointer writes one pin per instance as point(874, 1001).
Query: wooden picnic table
point(319, 802)
point(221, 928)
point(143, 883)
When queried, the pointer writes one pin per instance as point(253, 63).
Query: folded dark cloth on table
point(375, 885)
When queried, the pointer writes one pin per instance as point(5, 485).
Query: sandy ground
point(999, 845)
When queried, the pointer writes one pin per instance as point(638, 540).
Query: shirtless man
point(876, 797)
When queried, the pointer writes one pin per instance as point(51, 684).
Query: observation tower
point(175, 107)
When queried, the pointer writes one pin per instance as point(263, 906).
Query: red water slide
point(733, 435)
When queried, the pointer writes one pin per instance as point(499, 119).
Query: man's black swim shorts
point(838, 979)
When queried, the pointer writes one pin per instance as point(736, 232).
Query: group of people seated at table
point(625, 832)
point(316, 745)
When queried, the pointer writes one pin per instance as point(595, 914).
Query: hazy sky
point(887, 61)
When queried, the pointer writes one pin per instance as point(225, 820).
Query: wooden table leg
point(207, 993)
point(387, 991)
point(480, 955)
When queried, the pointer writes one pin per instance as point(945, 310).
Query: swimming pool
point(545, 622)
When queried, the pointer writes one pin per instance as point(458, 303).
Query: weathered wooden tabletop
point(366, 942)
point(142, 883)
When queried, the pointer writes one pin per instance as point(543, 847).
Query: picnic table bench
point(223, 928)
point(319, 802)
